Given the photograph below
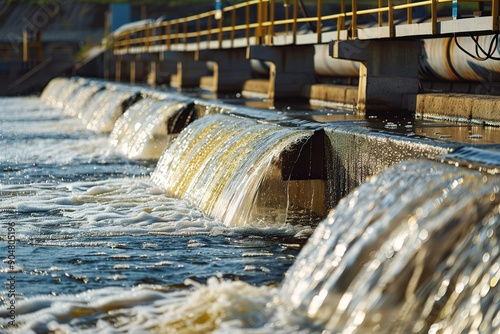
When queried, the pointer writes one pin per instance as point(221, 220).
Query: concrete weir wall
point(463, 107)
point(304, 180)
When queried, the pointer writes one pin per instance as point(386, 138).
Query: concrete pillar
point(165, 69)
point(151, 80)
point(132, 64)
point(122, 69)
point(188, 72)
point(160, 70)
point(388, 78)
point(291, 67)
point(230, 71)
point(139, 66)
point(109, 65)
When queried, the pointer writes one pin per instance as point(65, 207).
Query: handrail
point(259, 19)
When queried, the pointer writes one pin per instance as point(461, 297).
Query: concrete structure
point(188, 70)
point(41, 40)
point(230, 69)
point(389, 78)
point(386, 40)
point(291, 67)
point(460, 107)
point(140, 67)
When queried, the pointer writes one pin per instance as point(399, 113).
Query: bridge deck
point(238, 28)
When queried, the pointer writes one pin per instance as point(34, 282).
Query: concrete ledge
point(256, 88)
point(331, 93)
point(479, 108)
point(207, 82)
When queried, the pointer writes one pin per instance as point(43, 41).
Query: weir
point(410, 244)
point(412, 250)
point(276, 167)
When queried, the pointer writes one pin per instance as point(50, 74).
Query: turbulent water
point(207, 239)
point(92, 230)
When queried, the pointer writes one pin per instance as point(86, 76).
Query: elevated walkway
point(381, 40)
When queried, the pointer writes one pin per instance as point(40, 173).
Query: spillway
point(413, 250)
point(175, 190)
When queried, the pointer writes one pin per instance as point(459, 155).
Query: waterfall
point(360, 153)
point(415, 249)
point(58, 91)
point(141, 122)
point(76, 101)
point(106, 107)
point(240, 171)
point(142, 131)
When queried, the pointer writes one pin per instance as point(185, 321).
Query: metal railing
point(258, 22)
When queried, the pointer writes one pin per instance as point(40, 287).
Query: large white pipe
point(441, 58)
point(324, 65)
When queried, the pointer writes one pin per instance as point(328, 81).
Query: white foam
point(117, 206)
point(220, 306)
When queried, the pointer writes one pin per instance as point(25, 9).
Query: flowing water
point(90, 223)
point(203, 239)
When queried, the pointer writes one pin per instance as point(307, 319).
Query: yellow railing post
point(341, 19)
point(342, 10)
point(219, 34)
point(270, 32)
point(409, 13)
point(198, 32)
point(26, 49)
point(169, 33)
point(176, 32)
point(354, 18)
point(184, 29)
point(146, 37)
point(379, 14)
point(247, 22)
point(434, 16)
point(209, 28)
point(265, 18)
point(233, 24)
point(258, 31)
point(286, 4)
point(390, 18)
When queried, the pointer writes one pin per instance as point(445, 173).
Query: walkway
point(379, 41)
point(267, 22)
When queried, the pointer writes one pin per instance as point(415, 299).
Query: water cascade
point(240, 171)
point(360, 152)
point(142, 131)
point(106, 107)
point(269, 177)
point(57, 91)
point(413, 250)
point(77, 100)
point(142, 123)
